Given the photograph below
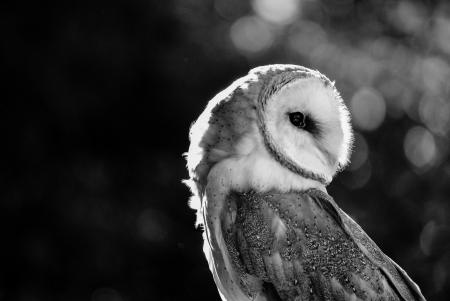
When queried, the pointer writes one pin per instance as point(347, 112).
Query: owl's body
point(261, 154)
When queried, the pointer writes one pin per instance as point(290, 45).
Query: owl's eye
point(297, 119)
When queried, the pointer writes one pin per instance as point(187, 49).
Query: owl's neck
point(258, 170)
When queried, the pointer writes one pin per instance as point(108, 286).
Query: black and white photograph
point(227, 150)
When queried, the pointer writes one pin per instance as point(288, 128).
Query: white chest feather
point(253, 168)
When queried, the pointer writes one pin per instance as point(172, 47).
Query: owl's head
point(282, 117)
point(305, 124)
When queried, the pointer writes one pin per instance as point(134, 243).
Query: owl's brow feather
point(277, 82)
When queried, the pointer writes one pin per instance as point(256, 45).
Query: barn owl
point(260, 158)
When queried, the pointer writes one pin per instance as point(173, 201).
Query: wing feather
point(401, 281)
point(302, 246)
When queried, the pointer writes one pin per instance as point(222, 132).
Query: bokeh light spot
point(392, 90)
point(361, 69)
point(379, 48)
point(409, 17)
point(360, 152)
point(441, 33)
point(435, 114)
point(306, 37)
point(277, 11)
point(420, 147)
point(251, 34)
point(368, 109)
point(434, 73)
point(426, 237)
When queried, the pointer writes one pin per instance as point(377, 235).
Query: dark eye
point(297, 119)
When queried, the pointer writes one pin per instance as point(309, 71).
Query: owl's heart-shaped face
point(304, 126)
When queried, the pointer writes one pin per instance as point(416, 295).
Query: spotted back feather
point(301, 246)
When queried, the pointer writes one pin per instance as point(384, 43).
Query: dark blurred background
point(96, 104)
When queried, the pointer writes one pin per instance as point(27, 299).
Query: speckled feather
point(319, 253)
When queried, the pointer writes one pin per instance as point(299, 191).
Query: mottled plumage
point(260, 157)
point(303, 247)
